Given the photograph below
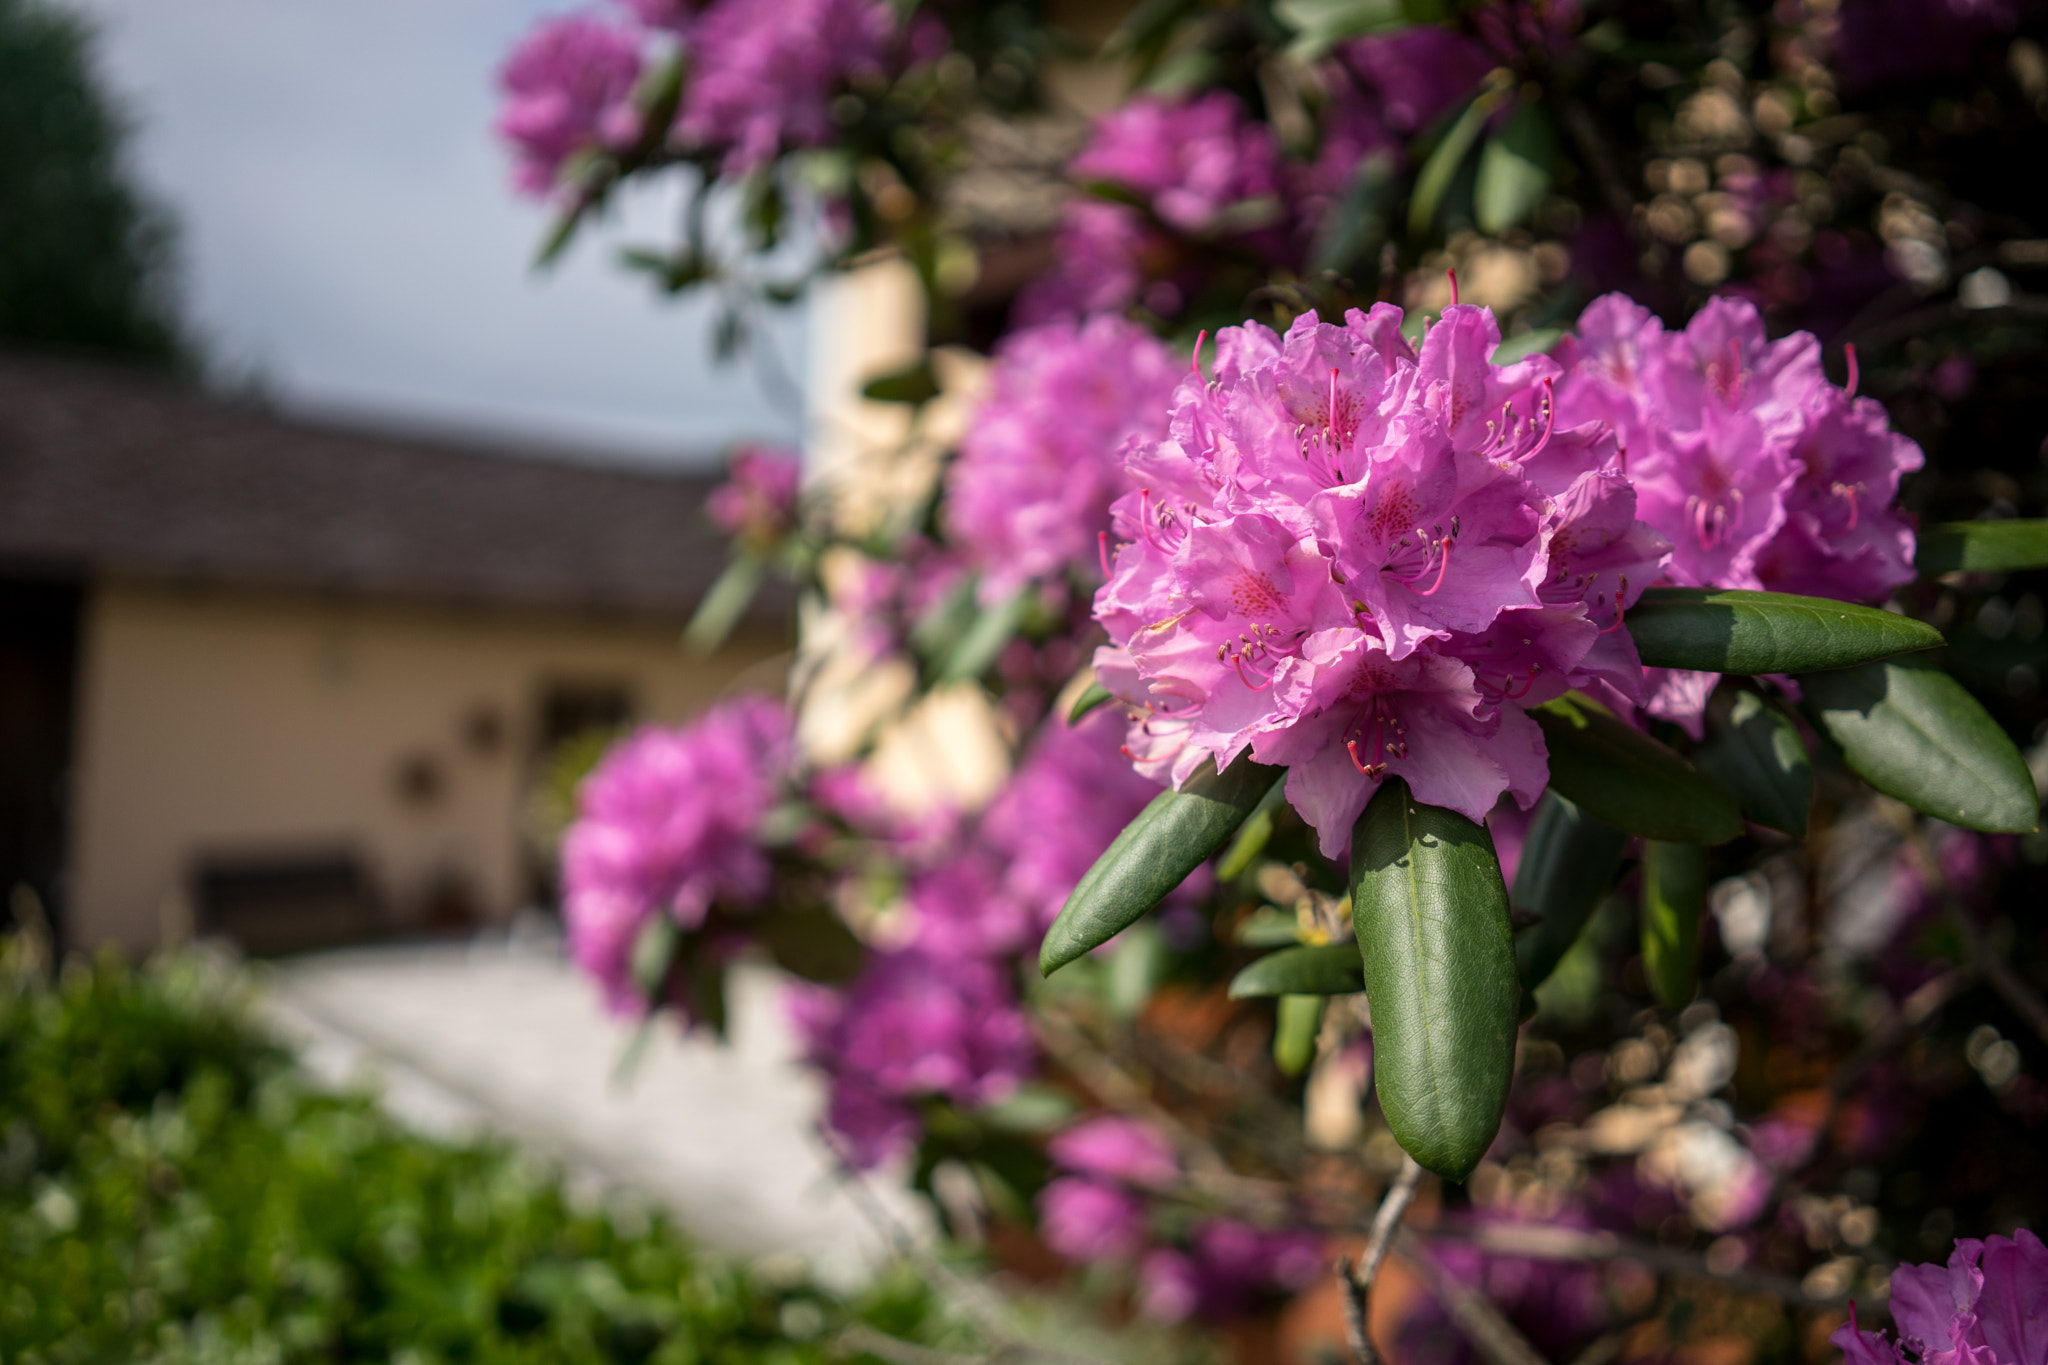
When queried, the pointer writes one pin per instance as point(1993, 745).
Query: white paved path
point(502, 1035)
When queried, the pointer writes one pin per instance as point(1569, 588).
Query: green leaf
point(1568, 863)
point(1621, 775)
point(1252, 836)
point(1527, 344)
point(1674, 897)
point(984, 640)
point(1267, 927)
point(811, 943)
point(1299, 1018)
point(1432, 919)
point(914, 385)
point(1756, 753)
point(1314, 969)
point(1169, 839)
point(1355, 230)
point(1982, 547)
point(1442, 166)
point(1514, 170)
point(1320, 25)
point(1092, 696)
point(730, 596)
point(1912, 732)
point(1727, 630)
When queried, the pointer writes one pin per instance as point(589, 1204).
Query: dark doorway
point(38, 688)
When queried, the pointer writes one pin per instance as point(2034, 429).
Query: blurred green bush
point(172, 1189)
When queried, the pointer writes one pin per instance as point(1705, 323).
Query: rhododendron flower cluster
point(667, 824)
point(1030, 493)
point(1987, 1306)
point(1356, 559)
point(568, 85)
point(938, 1013)
point(1201, 166)
point(1761, 472)
point(763, 73)
point(756, 505)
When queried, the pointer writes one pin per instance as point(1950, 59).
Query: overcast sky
point(350, 236)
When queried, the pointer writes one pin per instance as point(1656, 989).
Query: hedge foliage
point(172, 1189)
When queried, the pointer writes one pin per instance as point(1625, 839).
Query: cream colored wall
point(237, 724)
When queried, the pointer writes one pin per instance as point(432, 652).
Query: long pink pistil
point(1620, 594)
point(1849, 350)
point(1102, 552)
point(1849, 492)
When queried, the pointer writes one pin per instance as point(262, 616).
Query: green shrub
point(171, 1189)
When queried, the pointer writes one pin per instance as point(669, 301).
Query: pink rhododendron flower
point(666, 824)
point(1761, 472)
point(756, 505)
point(568, 85)
point(1192, 161)
point(763, 73)
point(1987, 1306)
point(1085, 1220)
point(1355, 559)
point(1030, 493)
point(1117, 1148)
point(1228, 1264)
point(912, 1025)
point(1204, 168)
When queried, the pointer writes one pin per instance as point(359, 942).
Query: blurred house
point(297, 684)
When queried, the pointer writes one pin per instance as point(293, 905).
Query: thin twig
point(861, 1339)
point(973, 1300)
point(1489, 1331)
point(1357, 1280)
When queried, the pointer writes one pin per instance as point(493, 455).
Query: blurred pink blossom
point(666, 824)
point(568, 86)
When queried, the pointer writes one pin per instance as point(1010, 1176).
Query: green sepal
point(1431, 914)
point(1755, 751)
point(1729, 630)
point(1982, 547)
point(1312, 969)
point(1912, 732)
point(1674, 898)
point(1297, 1021)
point(1170, 838)
point(1569, 862)
point(1620, 775)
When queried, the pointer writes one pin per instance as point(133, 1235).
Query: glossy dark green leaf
point(1527, 344)
point(977, 649)
point(1312, 969)
point(1297, 1021)
point(1982, 546)
point(1267, 927)
point(1912, 732)
point(1716, 630)
point(1622, 776)
point(1754, 750)
point(914, 385)
point(1514, 170)
point(812, 943)
point(1092, 696)
point(1443, 164)
point(1170, 838)
point(1674, 897)
point(1252, 836)
point(1431, 913)
point(723, 606)
point(1569, 861)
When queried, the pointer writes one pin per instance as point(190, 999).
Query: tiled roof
point(107, 470)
